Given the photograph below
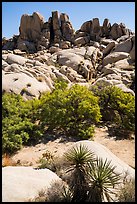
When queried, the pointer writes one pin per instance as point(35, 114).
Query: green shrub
point(18, 122)
point(74, 110)
point(117, 104)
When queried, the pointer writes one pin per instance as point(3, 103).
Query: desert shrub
point(47, 161)
point(58, 192)
point(18, 122)
point(90, 179)
point(127, 192)
point(103, 181)
point(74, 110)
point(54, 163)
point(119, 105)
point(78, 158)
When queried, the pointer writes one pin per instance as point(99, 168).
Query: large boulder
point(86, 26)
point(124, 64)
point(95, 29)
point(102, 152)
point(55, 20)
point(82, 40)
point(108, 70)
point(114, 57)
point(12, 58)
point(25, 45)
point(106, 27)
point(20, 184)
point(56, 26)
point(106, 41)
point(95, 25)
point(108, 49)
point(31, 26)
point(79, 34)
point(125, 89)
point(25, 84)
point(69, 59)
point(66, 27)
point(124, 46)
point(132, 53)
point(116, 31)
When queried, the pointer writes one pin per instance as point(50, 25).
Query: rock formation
point(44, 51)
point(94, 55)
point(36, 34)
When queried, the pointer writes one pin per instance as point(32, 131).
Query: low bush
point(117, 106)
point(74, 110)
point(18, 122)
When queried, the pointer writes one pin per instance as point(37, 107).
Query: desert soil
point(29, 156)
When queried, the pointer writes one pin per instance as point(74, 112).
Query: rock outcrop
point(31, 26)
point(45, 51)
point(36, 34)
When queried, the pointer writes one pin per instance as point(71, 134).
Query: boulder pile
point(36, 34)
point(46, 51)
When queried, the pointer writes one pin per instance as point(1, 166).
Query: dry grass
point(127, 192)
point(8, 161)
point(57, 192)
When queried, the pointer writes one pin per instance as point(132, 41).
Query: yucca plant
point(102, 180)
point(79, 157)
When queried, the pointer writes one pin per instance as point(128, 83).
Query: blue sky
point(78, 12)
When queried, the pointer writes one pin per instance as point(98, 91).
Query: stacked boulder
point(93, 55)
point(92, 31)
point(35, 34)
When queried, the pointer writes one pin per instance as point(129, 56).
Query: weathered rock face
point(125, 46)
point(31, 26)
point(36, 35)
point(86, 27)
point(56, 26)
point(106, 27)
point(132, 52)
point(94, 53)
point(67, 31)
point(116, 31)
point(114, 57)
point(19, 184)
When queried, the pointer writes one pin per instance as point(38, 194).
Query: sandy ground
point(124, 149)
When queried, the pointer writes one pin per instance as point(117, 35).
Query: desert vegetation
point(118, 107)
point(74, 111)
point(86, 179)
